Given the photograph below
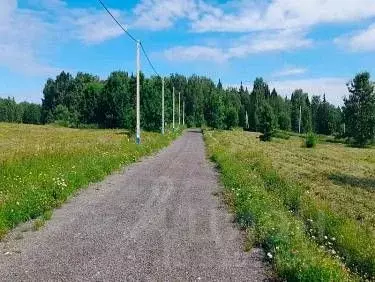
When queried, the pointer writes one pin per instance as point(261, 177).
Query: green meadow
point(312, 209)
point(42, 166)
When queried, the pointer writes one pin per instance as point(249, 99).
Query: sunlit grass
point(329, 190)
point(340, 176)
point(41, 166)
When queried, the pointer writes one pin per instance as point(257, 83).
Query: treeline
point(110, 103)
point(24, 112)
point(88, 100)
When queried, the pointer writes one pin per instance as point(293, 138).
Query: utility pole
point(183, 113)
point(173, 109)
point(179, 108)
point(246, 121)
point(300, 119)
point(138, 129)
point(162, 107)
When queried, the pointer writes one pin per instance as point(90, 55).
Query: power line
point(149, 61)
point(120, 25)
point(131, 36)
point(140, 46)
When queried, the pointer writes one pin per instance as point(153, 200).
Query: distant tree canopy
point(23, 112)
point(86, 99)
point(359, 110)
point(110, 103)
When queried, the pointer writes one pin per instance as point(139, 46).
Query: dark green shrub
point(266, 137)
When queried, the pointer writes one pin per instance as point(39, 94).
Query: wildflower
point(269, 255)
point(325, 237)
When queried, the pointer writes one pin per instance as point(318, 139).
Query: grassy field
point(311, 209)
point(41, 166)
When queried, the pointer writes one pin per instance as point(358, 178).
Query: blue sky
point(316, 45)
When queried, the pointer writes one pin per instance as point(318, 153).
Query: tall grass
point(40, 166)
point(271, 212)
point(340, 236)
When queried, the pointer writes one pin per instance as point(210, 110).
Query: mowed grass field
point(313, 210)
point(41, 166)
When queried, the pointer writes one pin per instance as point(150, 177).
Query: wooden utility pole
point(138, 126)
point(162, 107)
point(179, 108)
point(183, 113)
point(300, 119)
point(173, 108)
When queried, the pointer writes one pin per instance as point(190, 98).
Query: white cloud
point(88, 25)
point(243, 47)
point(161, 14)
point(284, 14)
point(250, 15)
point(22, 60)
point(21, 33)
point(334, 87)
point(290, 71)
point(195, 53)
point(269, 42)
point(360, 41)
point(94, 26)
point(27, 35)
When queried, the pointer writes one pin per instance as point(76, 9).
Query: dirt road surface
point(159, 219)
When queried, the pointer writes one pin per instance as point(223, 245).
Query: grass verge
point(295, 256)
point(41, 166)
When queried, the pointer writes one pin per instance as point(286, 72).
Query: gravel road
point(158, 220)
